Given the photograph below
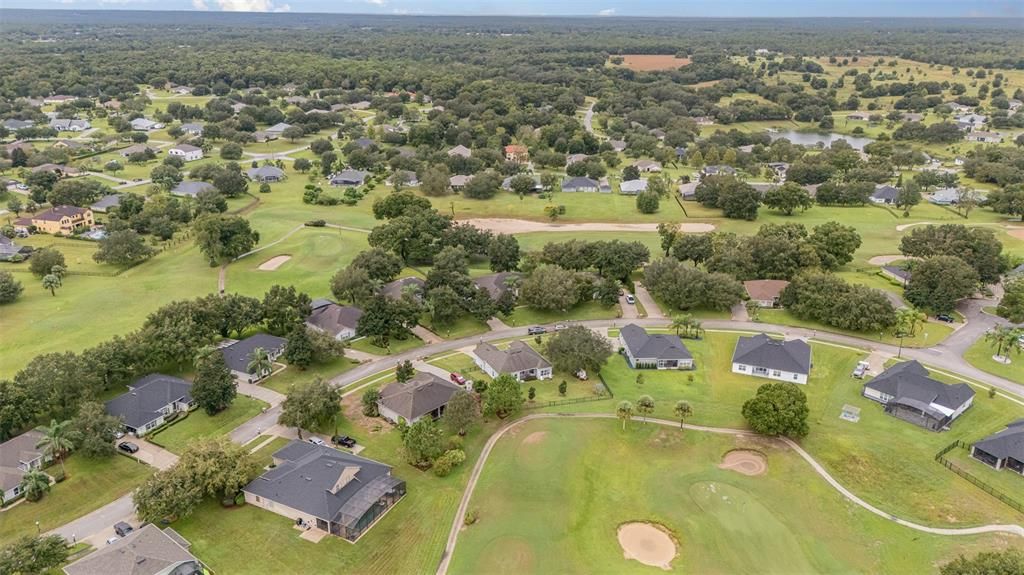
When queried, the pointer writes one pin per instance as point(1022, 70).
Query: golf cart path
point(513, 226)
point(460, 515)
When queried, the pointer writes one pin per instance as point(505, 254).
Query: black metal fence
point(609, 394)
point(941, 458)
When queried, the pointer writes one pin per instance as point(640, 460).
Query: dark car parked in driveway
point(945, 317)
point(128, 447)
point(536, 330)
point(122, 528)
point(344, 441)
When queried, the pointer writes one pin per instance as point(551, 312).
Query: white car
point(630, 299)
point(560, 326)
point(113, 540)
point(317, 441)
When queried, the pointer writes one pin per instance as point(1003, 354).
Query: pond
point(825, 138)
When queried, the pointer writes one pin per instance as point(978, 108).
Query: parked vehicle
point(456, 378)
point(113, 540)
point(945, 317)
point(122, 528)
point(860, 370)
point(317, 441)
point(536, 330)
point(560, 326)
point(630, 299)
point(581, 375)
point(344, 441)
point(118, 434)
point(128, 447)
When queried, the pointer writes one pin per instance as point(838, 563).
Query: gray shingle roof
point(396, 289)
point(264, 172)
point(349, 178)
point(908, 383)
point(886, 192)
point(417, 397)
point(14, 452)
point(147, 396)
point(308, 477)
point(333, 318)
point(238, 355)
point(145, 551)
point(496, 284)
point(760, 350)
point(633, 186)
point(518, 357)
point(579, 183)
point(1007, 443)
point(191, 188)
point(643, 345)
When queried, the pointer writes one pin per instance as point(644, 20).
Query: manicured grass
point(722, 522)
point(177, 437)
point(263, 454)
point(980, 356)
point(397, 345)
point(464, 326)
point(461, 364)
point(1011, 484)
point(579, 207)
point(524, 315)
point(282, 381)
point(927, 335)
point(90, 484)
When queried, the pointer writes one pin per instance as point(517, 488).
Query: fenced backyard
point(943, 458)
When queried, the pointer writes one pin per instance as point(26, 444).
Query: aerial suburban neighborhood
point(434, 288)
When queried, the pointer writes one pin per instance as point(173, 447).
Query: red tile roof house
point(765, 292)
point(516, 153)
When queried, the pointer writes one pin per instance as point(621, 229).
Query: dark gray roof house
point(104, 204)
point(336, 492)
point(191, 188)
point(884, 194)
point(265, 174)
point(762, 356)
point(18, 456)
point(397, 288)
point(579, 184)
point(907, 392)
point(520, 360)
point(14, 124)
point(339, 321)
point(238, 355)
point(349, 178)
point(1004, 449)
point(149, 400)
point(365, 143)
point(660, 351)
point(718, 171)
point(424, 395)
point(499, 283)
point(506, 184)
point(146, 551)
point(9, 249)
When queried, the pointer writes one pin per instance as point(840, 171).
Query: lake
point(825, 138)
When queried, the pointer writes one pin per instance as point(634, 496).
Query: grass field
point(90, 484)
point(722, 522)
point(198, 424)
point(294, 376)
point(980, 356)
point(930, 334)
point(523, 315)
point(396, 345)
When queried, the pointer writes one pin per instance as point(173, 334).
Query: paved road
point(588, 118)
point(460, 515)
point(650, 306)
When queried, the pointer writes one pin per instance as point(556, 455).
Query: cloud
point(607, 12)
point(243, 6)
point(200, 5)
point(377, 2)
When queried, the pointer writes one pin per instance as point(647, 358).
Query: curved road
point(460, 515)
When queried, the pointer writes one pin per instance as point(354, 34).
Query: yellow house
point(61, 219)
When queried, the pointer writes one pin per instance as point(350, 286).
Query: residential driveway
point(653, 311)
point(426, 335)
point(739, 312)
point(424, 366)
point(588, 118)
point(152, 454)
point(629, 310)
point(262, 393)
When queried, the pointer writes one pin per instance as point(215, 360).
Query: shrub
point(451, 459)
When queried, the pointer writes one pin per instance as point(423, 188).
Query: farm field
point(721, 521)
point(650, 62)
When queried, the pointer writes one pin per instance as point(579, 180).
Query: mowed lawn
point(869, 457)
point(198, 424)
point(928, 335)
point(553, 494)
point(90, 484)
point(980, 356)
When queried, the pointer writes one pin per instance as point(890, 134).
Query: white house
point(238, 355)
point(18, 456)
point(519, 360)
point(188, 152)
point(762, 356)
point(657, 351)
point(149, 401)
point(145, 125)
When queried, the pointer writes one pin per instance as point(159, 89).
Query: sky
point(606, 8)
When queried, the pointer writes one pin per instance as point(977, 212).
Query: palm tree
point(51, 282)
point(260, 363)
point(645, 405)
point(625, 412)
point(697, 327)
point(908, 320)
point(682, 322)
point(1004, 338)
point(682, 411)
point(57, 441)
point(34, 484)
point(202, 354)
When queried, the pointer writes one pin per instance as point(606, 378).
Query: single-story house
point(238, 355)
point(633, 187)
point(765, 292)
point(192, 129)
point(9, 249)
point(719, 170)
point(579, 184)
point(688, 191)
point(425, 395)
point(18, 456)
point(520, 360)
point(360, 105)
point(704, 120)
point(188, 152)
point(459, 181)
point(654, 351)
point(149, 400)
point(327, 489)
point(461, 151)
point(135, 149)
point(264, 136)
point(410, 178)
point(647, 166)
point(349, 178)
point(58, 220)
point(265, 174)
point(617, 145)
point(57, 99)
point(780, 168)
point(338, 321)
point(908, 393)
point(897, 273)
point(506, 184)
point(1003, 450)
point(278, 128)
point(147, 550)
point(575, 158)
point(145, 125)
point(782, 360)
point(68, 125)
point(911, 117)
point(603, 186)
point(884, 194)
point(104, 204)
point(944, 197)
point(657, 133)
point(191, 188)
point(14, 124)
point(498, 283)
point(365, 143)
point(517, 153)
point(859, 116)
point(60, 169)
point(985, 137)
point(680, 152)
point(397, 288)
point(975, 119)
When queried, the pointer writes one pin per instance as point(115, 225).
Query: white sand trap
point(902, 227)
point(511, 226)
point(647, 543)
point(535, 437)
point(273, 263)
point(885, 260)
point(745, 462)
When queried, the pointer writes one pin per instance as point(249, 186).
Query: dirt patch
point(511, 226)
point(885, 260)
point(745, 462)
point(647, 543)
point(1016, 234)
point(650, 62)
point(535, 438)
point(274, 263)
point(352, 407)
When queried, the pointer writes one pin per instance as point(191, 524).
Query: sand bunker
point(885, 260)
point(1016, 234)
point(535, 437)
point(745, 462)
point(273, 263)
point(512, 226)
point(647, 543)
